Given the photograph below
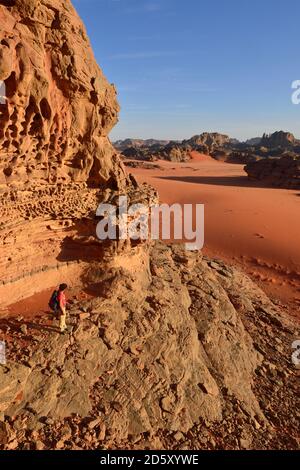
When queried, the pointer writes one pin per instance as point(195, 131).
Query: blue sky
point(182, 67)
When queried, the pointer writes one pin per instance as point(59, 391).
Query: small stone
point(116, 406)
point(13, 445)
point(66, 432)
point(65, 374)
point(210, 388)
point(271, 367)
point(102, 432)
point(84, 316)
point(93, 424)
point(245, 444)
point(34, 435)
point(140, 365)
point(49, 421)
point(135, 349)
point(256, 424)
point(185, 446)
point(60, 444)
point(167, 404)
point(178, 436)
point(39, 445)
point(212, 442)
point(3, 433)
point(214, 265)
point(88, 437)
point(24, 329)
point(134, 439)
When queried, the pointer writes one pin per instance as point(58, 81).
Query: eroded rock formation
point(171, 151)
point(282, 172)
point(162, 359)
point(208, 141)
point(138, 143)
point(56, 161)
point(280, 139)
point(59, 107)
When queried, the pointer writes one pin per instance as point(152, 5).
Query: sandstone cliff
point(56, 160)
point(171, 151)
point(208, 141)
point(280, 139)
point(60, 108)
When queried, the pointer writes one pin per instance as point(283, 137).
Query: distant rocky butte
point(253, 141)
point(281, 172)
point(170, 151)
point(137, 143)
point(209, 140)
point(174, 350)
point(218, 146)
point(279, 139)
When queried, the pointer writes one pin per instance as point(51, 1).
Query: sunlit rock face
point(59, 107)
point(56, 160)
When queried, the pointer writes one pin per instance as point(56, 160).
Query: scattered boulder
point(281, 172)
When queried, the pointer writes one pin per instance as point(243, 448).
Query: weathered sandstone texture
point(171, 151)
point(60, 108)
point(283, 172)
point(208, 141)
point(56, 161)
point(279, 139)
point(188, 353)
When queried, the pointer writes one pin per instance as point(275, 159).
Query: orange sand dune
point(253, 226)
point(201, 157)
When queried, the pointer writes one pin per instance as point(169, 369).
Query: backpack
point(53, 302)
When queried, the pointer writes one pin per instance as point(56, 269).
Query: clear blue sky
point(182, 67)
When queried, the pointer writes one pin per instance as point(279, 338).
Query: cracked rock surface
point(186, 343)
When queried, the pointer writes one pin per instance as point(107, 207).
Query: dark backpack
point(53, 302)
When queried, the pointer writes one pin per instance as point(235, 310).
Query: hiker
point(58, 304)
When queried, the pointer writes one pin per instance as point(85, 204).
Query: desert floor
point(248, 224)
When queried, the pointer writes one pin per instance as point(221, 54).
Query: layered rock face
point(56, 160)
point(208, 141)
point(278, 139)
point(171, 151)
point(138, 143)
point(282, 172)
point(59, 107)
point(175, 153)
point(163, 359)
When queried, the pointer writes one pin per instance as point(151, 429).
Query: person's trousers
point(62, 322)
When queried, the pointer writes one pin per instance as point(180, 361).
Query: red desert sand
point(246, 223)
